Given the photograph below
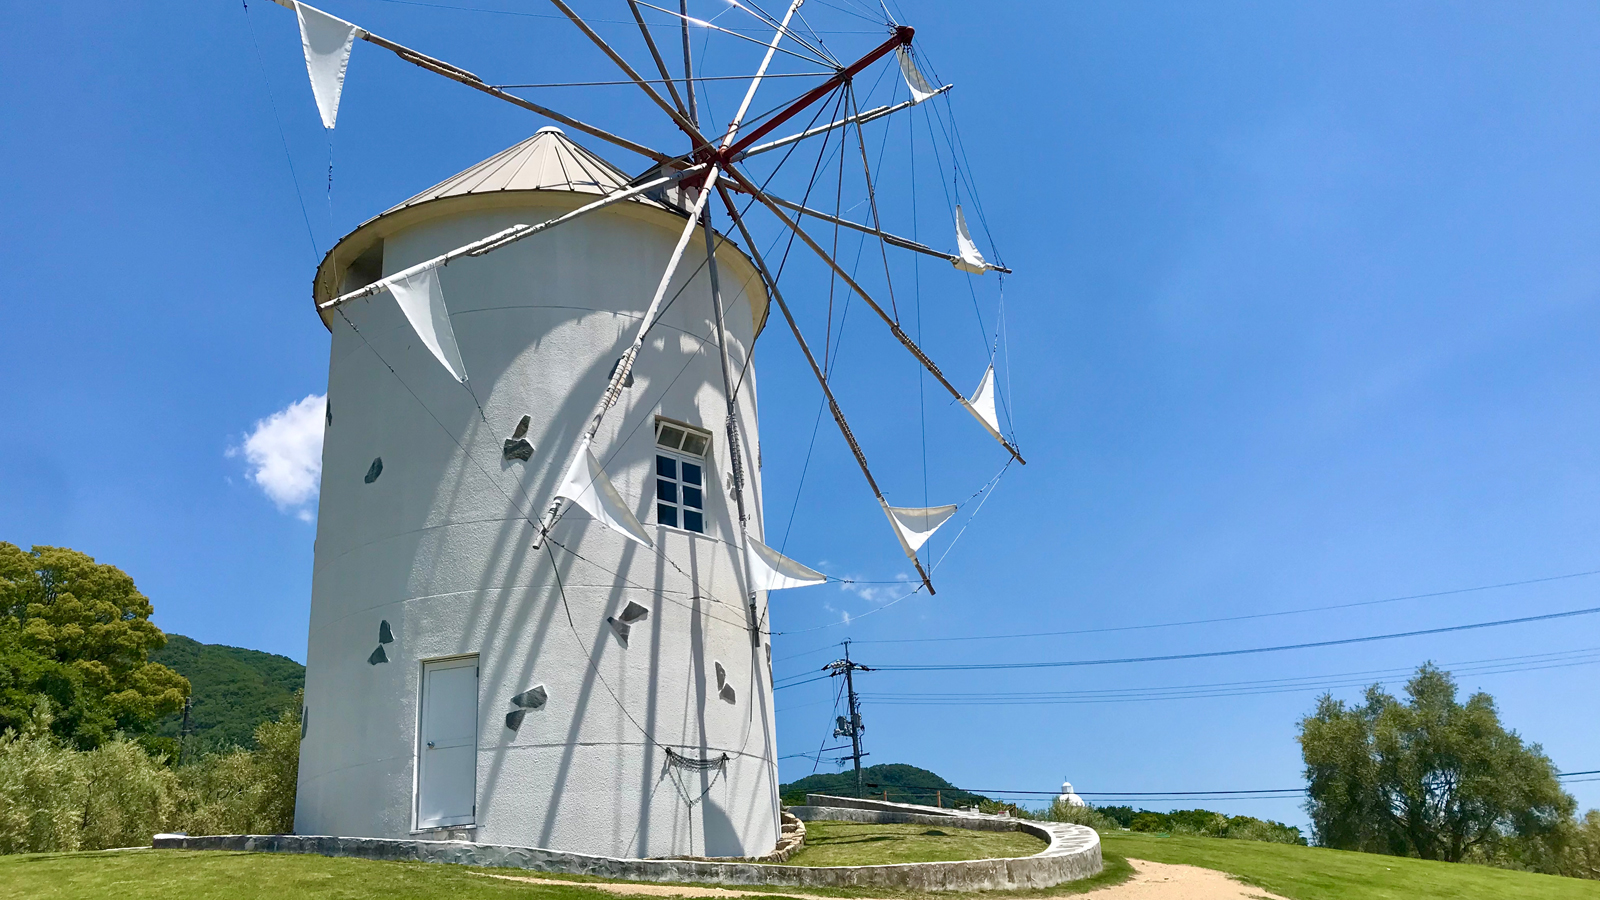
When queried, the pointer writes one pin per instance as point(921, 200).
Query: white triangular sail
point(971, 260)
point(914, 525)
point(981, 404)
point(422, 300)
point(920, 88)
point(772, 571)
point(587, 486)
point(327, 41)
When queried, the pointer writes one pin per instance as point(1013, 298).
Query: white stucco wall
point(439, 546)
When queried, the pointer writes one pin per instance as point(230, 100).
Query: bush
point(1206, 823)
point(1078, 815)
point(128, 795)
point(40, 778)
point(1582, 859)
point(56, 798)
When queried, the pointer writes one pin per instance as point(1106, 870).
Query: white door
point(447, 753)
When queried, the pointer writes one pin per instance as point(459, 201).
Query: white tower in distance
point(1068, 797)
point(592, 694)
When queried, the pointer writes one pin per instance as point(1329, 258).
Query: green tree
point(1431, 777)
point(79, 632)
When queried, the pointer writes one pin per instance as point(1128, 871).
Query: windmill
point(483, 663)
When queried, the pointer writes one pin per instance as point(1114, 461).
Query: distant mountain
point(905, 784)
point(234, 690)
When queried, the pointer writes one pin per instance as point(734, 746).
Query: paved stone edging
point(1074, 853)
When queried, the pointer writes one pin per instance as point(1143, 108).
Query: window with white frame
point(680, 475)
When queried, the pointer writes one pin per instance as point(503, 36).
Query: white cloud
point(284, 453)
point(875, 593)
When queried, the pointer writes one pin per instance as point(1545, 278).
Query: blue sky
point(1303, 316)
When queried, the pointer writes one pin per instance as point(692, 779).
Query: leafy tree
point(79, 632)
point(1430, 777)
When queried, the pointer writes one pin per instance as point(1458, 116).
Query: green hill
point(234, 690)
point(905, 784)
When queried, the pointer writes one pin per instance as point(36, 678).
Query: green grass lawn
point(192, 874)
point(1313, 873)
point(849, 844)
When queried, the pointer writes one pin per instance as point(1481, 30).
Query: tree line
point(81, 764)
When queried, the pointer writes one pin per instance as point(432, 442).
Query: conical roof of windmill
point(548, 161)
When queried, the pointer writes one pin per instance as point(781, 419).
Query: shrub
point(56, 798)
point(1078, 815)
point(128, 795)
point(40, 778)
point(244, 791)
point(1582, 859)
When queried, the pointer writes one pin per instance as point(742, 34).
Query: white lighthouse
point(589, 692)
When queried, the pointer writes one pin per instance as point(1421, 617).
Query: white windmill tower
point(485, 661)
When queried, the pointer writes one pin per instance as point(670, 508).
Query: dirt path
point(1164, 881)
point(1150, 881)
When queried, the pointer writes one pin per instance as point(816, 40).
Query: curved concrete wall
point(438, 547)
point(1073, 852)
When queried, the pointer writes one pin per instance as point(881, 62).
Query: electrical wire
point(964, 667)
point(1504, 665)
point(1266, 615)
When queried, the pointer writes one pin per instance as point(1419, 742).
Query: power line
point(1250, 793)
point(1501, 665)
point(1286, 612)
point(959, 667)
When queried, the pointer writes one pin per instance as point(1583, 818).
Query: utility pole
point(852, 726)
point(183, 729)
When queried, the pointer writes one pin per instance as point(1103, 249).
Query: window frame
point(680, 485)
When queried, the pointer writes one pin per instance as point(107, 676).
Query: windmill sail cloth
point(772, 571)
point(422, 300)
point(327, 41)
point(971, 260)
point(920, 88)
point(981, 404)
point(914, 525)
point(587, 486)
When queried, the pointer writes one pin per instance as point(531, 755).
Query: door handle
point(430, 745)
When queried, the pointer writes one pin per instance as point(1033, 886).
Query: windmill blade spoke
point(901, 37)
point(458, 74)
point(750, 94)
point(661, 64)
point(688, 127)
point(510, 236)
point(893, 240)
point(811, 360)
point(894, 327)
point(862, 119)
point(624, 367)
point(872, 202)
point(691, 20)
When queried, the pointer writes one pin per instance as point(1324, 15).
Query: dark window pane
point(694, 444)
point(691, 497)
point(691, 473)
point(670, 437)
point(666, 490)
point(666, 467)
point(693, 521)
point(666, 515)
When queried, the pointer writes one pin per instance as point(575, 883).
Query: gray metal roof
point(548, 161)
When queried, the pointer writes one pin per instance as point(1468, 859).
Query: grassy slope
point(234, 690)
point(179, 875)
point(849, 844)
point(1314, 873)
